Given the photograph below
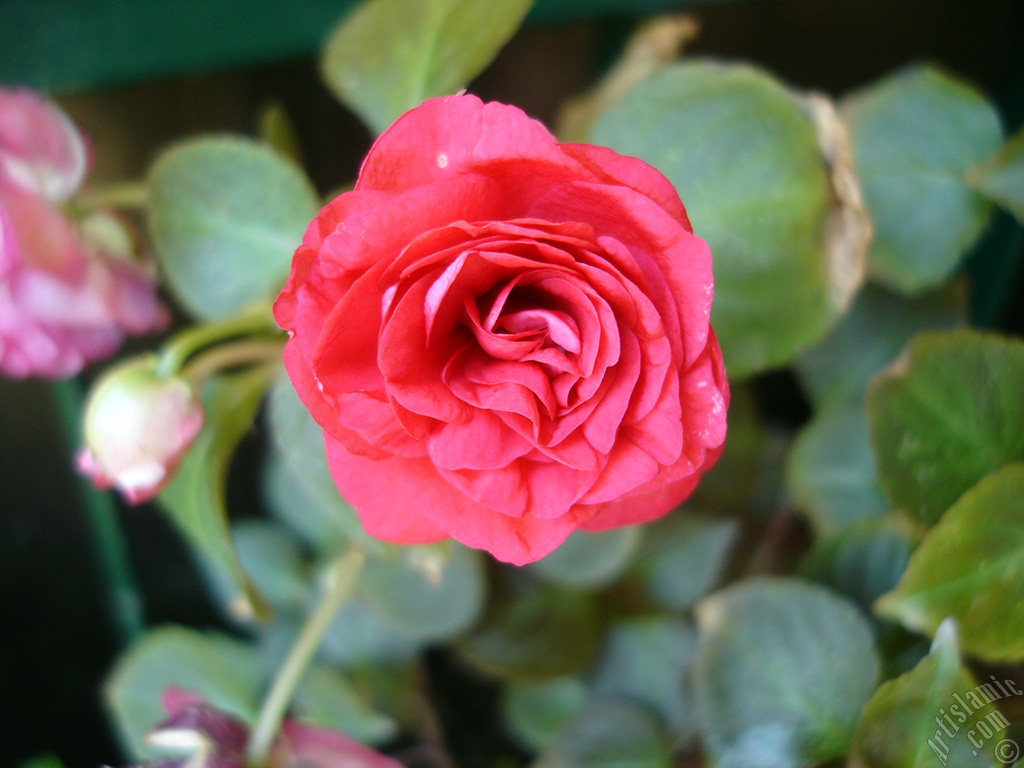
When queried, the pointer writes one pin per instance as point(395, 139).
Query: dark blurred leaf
point(682, 556)
point(228, 673)
point(1001, 177)
point(537, 711)
point(831, 471)
point(428, 593)
point(781, 672)
point(915, 134)
point(944, 415)
point(541, 633)
point(870, 335)
point(390, 55)
point(589, 559)
point(756, 187)
point(970, 567)
point(897, 728)
point(226, 215)
point(609, 734)
point(644, 661)
point(196, 498)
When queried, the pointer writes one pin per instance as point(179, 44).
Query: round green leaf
point(971, 566)
point(831, 471)
point(922, 718)
point(327, 699)
point(389, 55)
point(944, 415)
point(427, 594)
point(782, 669)
point(589, 559)
point(358, 636)
point(914, 135)
point(609, 734)
point(226, 215)
point(228, 673)
point(644, 660)
point(745, 159)
point(682, 556)
point(537, 711)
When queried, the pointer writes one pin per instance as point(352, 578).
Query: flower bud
point(138, 427)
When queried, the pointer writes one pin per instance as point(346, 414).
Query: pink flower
point(138, 428)
point(218, 740)
point(69, 291)
point(505, 338)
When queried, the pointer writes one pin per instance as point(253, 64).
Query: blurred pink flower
point(69, 290)
point(215, 739)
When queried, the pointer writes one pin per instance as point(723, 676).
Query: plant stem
point(340, 581)
point(219, 358)
point(121, 593)
point(121, 194)
point(190, 341)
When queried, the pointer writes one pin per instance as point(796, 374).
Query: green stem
point(121, 594)
point(341, 579)
point(121, 194)
point(219, 358)
point(188, 342)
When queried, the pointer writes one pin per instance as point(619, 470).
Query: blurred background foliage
point(585, 643)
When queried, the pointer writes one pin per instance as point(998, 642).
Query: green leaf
point(609, 734)
point(589, 559)
point(43, 761)
point(327, 699)
point(944, 415)
point(424, 592)
point(644, 661)
point(898, 727)
point(196, 498)
point(228, 673)
point(914, 135)
point(682, 556)
point(781, 670)
point(537, 711)
point(358, 636)
point(272, 559)
point(316, 507)
point(390, 55)
point(872, 334)
point(745, 159)
point(862, 561)
point(971, 566)
point(538, 634)
point(226, 215)
point(1001, 177)
point(831, 471)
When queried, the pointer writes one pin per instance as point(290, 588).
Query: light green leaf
point(390, 55)
point(589, 559)
point(644, 661)
point(745, 159)
point(1001, 177)
point(537, 711)
point(915, 134)
point(781, 671)
point(228, 673)
point(944, 415)
point(971, 566)
point(872, 334)
point(318, 510)
point(196, 498)
point(327, 699)
point(682, 556)
point(862, 561)
point(540, 633)
point(609, 734)
point(831, 471)
point(426, 593)
point(359, 636)
point(927, 717)
point(226, 215)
